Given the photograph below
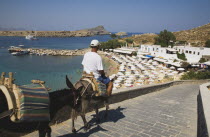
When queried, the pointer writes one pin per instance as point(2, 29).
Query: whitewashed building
point(158, 51)
point(193, 54)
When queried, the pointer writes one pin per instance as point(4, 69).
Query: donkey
point(58, 99)
point(84, 101)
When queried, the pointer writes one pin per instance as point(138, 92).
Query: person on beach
point(92, 62)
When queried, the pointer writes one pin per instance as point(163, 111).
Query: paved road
point(169, 112)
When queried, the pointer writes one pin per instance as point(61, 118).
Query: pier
point(52, 52)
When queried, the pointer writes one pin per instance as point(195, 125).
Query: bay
point(51, 69)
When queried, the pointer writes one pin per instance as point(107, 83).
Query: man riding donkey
point(92, 63)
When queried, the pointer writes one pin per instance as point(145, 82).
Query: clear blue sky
point(114, 15)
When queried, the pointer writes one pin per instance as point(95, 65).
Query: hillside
point(100, 30)
point(196, 36)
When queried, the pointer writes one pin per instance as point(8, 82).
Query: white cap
point(94, 43)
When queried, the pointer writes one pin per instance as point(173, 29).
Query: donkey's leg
point(72, 118)
point(97, 115)
point(42, 130)
point(49, 131)
point(106, 103)
point(86, 124)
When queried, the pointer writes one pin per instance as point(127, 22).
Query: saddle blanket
point(34, 104)
point(101, 88)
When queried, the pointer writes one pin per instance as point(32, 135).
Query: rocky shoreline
point(100, 30)
point(52, 52)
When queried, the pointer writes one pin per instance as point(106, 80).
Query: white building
point(158, 51)
point(193, 54)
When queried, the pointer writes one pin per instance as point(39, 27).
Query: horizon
point(132, 16)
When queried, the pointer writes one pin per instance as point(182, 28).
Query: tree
point(165, 38)
point(129, 41)
point(207, 44)
point(113, 36)
point(181, 56)
point(185, 64)
point(202, 60)
point(111, 44)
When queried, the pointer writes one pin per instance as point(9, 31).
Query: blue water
point(51, 69)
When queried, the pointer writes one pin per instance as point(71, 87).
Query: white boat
point(20, 53)
point(29, 37)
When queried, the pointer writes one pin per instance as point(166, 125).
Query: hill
point(100, 30)
point(196, 36)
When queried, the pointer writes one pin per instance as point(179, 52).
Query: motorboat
point(29, 37)
point(23, 52)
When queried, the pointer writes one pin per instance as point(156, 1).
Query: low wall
point(128, 93)
point(203, 125)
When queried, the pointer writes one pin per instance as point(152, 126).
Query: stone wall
point(203, 125)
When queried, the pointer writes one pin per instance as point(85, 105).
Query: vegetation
point(111, 44)
point(165, 38)
point(181, 56)
point(196, 75)
point(185, 64)
point(113, 36)
point(202, 60)
point(130, 41)
point(207, 44)
point(134, 53)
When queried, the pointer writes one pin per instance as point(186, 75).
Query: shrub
point(196, 75)
point(207, 44)
point(111, 44)
point(181, 56)
point(129, 41)
point(202, 60)
point(185, 64)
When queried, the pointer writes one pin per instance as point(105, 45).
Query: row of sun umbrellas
point(135, 71)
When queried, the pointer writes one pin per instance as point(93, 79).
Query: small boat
point(29, 37)
point(23, 52)
point(14, 49)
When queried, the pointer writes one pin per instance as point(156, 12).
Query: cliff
point(100, 30)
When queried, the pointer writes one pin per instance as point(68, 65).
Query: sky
point(146, 16)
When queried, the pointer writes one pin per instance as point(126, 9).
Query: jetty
point(53, 52)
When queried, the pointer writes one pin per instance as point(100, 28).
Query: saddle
point(98, 87)
point(25, 103)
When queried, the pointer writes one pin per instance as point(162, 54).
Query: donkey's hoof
point(74, 130)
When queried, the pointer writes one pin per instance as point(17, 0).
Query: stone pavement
point(168, 113)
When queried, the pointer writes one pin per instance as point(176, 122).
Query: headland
point(99, 30)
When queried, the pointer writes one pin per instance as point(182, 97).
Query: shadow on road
point(113, 116)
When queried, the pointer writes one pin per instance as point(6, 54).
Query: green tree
point(129, 41)
point(185, 64)
point(113, 36)
point(181, 56)
point(165, 38)
point(207, 44)
point(202, 60)
point(111, 44)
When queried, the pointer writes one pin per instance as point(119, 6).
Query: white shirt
point(92, 62)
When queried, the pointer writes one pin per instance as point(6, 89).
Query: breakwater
point(52, 52)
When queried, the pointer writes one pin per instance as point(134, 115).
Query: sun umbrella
point(181, 69)
point(172, 67)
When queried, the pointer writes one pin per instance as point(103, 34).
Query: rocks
point(56, 52)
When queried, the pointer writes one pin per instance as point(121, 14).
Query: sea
point(51, 69)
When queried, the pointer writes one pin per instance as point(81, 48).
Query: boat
point(29, 37)
point(23, 52)
point(14, 49)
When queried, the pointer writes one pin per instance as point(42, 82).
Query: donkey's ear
point(69, 84)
